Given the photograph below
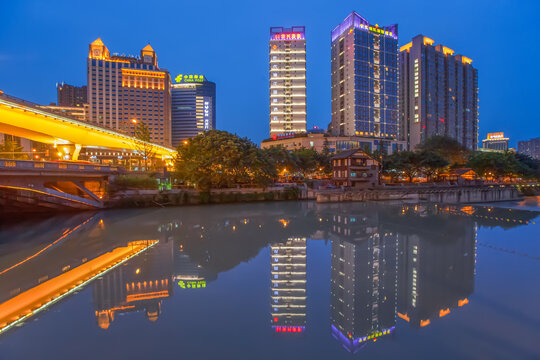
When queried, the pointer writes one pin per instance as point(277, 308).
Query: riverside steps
point(438, 194)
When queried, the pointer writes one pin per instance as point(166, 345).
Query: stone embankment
point(178, 197)
point(446, 195)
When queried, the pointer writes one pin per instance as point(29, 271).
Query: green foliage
point(218, 159)
point(407, 162)
point(12, 150)
point(123, 182)
point(144, 147)
point(304, 161)
point(509, 164)
point(431, 163)
point(292, 193)
point(449, 149)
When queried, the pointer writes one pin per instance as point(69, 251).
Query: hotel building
point(193, 107)
point(438, 94)
point(287, 80)
point(123, 90)
point(288, 299)
point(364, 77)
point(495, 141)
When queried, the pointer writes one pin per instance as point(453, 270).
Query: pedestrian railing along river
point(32, 166)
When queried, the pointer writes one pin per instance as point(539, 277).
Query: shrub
point(123, 182)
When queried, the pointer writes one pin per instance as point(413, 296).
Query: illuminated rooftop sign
point(495, 136)
point(294, 33)
point(192, 284)
point(189, 78)
point(356, 21)
point(288, 36)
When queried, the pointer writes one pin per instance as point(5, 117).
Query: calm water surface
point(274, 281)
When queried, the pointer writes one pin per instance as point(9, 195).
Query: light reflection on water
point(234, 281)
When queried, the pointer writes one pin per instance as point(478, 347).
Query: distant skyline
point(44, 43)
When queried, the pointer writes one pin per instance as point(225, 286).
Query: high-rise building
point(495, 141)
point(71, 96)
point(364, 75)
point(438, 94)
point(124, 90)
point(288, 110)
point(288, 298)
point(193, 107)
point(530, 147)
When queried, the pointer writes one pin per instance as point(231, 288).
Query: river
point(281, 280)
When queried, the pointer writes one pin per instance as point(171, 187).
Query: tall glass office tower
point(193, 107)
point(364, 79)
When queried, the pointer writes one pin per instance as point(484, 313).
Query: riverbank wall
point(179, 197)
point(454, 195)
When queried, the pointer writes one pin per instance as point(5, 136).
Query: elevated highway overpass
point(27, 120)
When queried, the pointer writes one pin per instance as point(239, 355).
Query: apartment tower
point(71, 96)
point(438, 94)
point(287, 80)
point(364, 77)
point(125, 90)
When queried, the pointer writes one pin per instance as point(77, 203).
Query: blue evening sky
point(45, 42)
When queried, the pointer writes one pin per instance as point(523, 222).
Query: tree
point(407, 162)
point(144, 146)
point(530, 166)
point(431, 163)
point(11, 149)
point(217, 159)
point(305, 160)
point(280, 157)
point(449, 149)
point(324, 158)
point(496, 164)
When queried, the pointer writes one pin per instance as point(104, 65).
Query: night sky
point(45, 42)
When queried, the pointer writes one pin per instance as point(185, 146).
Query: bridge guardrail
point(7, 165)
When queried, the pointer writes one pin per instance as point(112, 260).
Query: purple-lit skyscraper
point(364, 77)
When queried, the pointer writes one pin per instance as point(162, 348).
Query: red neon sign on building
point(288, 36)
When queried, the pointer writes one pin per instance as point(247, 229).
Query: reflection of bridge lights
point(78, 285)
point(284, 222)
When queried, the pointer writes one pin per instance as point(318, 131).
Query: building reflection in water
point(363, 280)
point(188, 274)
point(288, 292)
point(139, 285)
point(437, 265)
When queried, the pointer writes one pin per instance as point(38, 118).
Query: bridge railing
point(28, 165)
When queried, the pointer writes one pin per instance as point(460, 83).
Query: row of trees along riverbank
point(439, 154)
point(218, 159)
